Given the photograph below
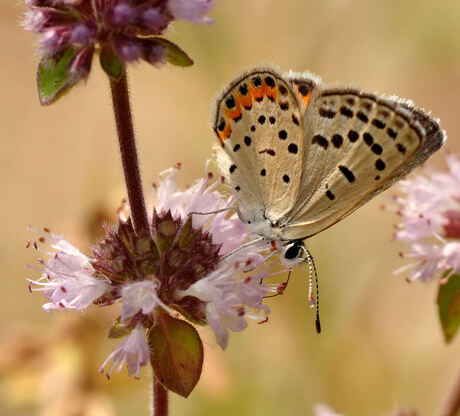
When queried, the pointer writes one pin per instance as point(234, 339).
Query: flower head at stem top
point(121, 31)
point(180, 269)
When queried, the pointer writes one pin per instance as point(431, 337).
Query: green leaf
point(174, 54)
point(449, 306)
point(118, 330)
point(176, 354)
point(111, 62)
point(53, 78)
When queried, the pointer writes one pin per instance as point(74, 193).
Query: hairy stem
point(451, 406)
point(130, 162)
point(160, 398)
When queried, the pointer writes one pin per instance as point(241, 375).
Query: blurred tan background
point(381, 345)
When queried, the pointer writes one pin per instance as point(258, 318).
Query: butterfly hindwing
point(258, 121)
point(356, 145)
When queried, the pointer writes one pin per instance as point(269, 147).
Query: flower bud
point(155, 19)
point(54, 39)
point(153, 52)
point(81, 64)
point(128, 49)
point(82, 33)
point(122, 14)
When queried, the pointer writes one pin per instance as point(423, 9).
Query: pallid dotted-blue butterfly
point(301, 155)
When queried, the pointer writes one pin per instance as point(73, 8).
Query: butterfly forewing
point(259, 123)
point(356, 145)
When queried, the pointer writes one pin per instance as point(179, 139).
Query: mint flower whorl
point(430, 210)
point(179, 269)
point(122, 31)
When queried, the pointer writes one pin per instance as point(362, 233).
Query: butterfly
point(301, 155)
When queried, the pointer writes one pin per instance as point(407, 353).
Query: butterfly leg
point(281, 287)
point(217, 211)
point(250, 243)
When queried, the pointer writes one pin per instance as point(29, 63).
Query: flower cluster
point(430, 210)
point(182, 268)
point(122, 31)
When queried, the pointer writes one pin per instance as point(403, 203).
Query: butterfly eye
point(293, 251)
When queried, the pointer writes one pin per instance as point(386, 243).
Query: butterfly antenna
point(311, 301)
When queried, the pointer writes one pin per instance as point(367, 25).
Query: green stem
point(128, 152)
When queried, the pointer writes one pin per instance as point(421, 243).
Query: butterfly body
point(300, 155)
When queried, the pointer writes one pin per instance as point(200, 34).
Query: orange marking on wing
point(271, 92)
point(244, 100)
point(306, 98)
point(234, 113)
point(224, 135)
point(257, 92)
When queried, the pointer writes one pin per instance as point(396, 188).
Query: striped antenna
point(311, 301)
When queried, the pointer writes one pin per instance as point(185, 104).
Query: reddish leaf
point(176, 354)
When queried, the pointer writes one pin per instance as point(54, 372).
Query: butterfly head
point(292, 253)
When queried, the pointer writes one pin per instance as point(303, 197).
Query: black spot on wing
point(271, 152)
point(368, 139)
point(337, 140)
point(353, 136)
point(230, 102)
point(345, 111)
point(257, 81)
point(401, 148)
point(377, 149)
point(282, 89)
point(284, 105)
point(270, 81)
point(347, 173)
point(321, 141)
point(330, 195)
point(362, 116)
point(380, 164)
point(393, 134)
point(303, 89)
point(243, 89)
point(378, 123)
point(323, 112)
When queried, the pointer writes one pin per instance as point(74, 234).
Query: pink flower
point(201, 197)
point(230, 299)
point(140, 297)
point(132, 351)
point(67, 279)
point(192, 10)
point(430, 210)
